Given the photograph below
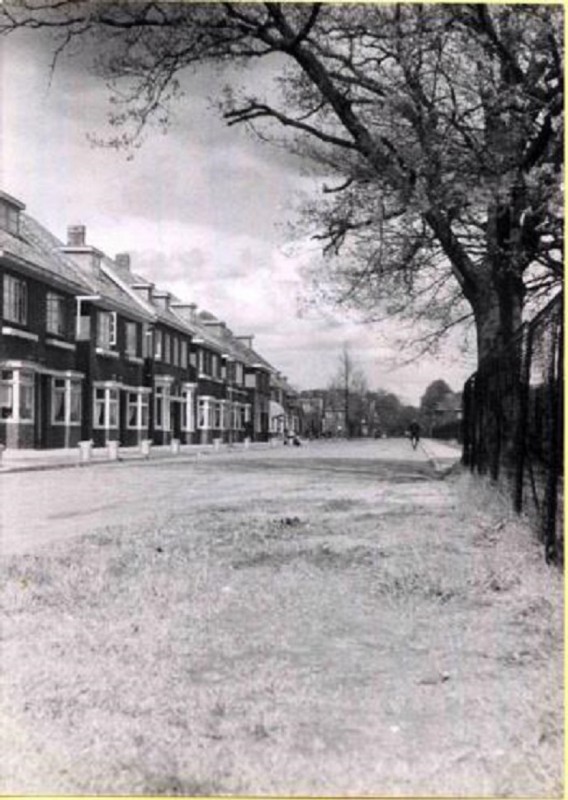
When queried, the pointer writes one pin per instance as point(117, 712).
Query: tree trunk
point(498, 319)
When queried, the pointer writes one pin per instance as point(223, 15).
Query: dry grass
point(408, 644)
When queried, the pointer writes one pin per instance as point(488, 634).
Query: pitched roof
point(39, 251)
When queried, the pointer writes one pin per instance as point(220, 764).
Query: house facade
point(91, 351)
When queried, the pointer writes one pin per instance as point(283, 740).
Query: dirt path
point(349, 627)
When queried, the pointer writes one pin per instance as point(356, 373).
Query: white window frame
point(72, 389)
point(204, 413)
point(130, 339)
point(55, 314)
point(15, 301)
point(184, 354)
point(20, 383)
point(106, 329)
point(158, 345)
point(162, 396)
point(141, 405)
point(188, 409)
point(218, 415)
point(110, 401)
point(239, 373)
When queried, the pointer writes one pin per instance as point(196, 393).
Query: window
point(239, 374)
point(16, 395)
point(106, 407)
point(218, 415)
point(66, 401)
point(146, 341)
point(204, 413)
point(187, 421)
point(162, 408)
point(131, 339)
point(6, 394)
point(183, 354)
point(9, 218)
point(106, 329)
point(158, 345)
point(167, 353)
point(214, 371)
point(138, 404)
point(15, 300)
point(56, 317)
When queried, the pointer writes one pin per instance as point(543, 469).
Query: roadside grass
point(406, 643)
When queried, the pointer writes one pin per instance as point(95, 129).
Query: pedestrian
point(414, 431)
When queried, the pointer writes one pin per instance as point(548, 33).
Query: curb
point(132, 460)
point(441, 469)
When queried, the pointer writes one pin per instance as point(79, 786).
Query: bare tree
point(347, 391)
point(440, 126)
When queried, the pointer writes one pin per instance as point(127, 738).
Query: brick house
point(90, 351)
point(41, 385)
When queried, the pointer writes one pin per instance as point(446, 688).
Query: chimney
point(86, 257)
point(215, 325)
point(246, 340)
point(162, 299)
point(122, 262)
point(76, 235)
point(143, 290)
point(187, 311)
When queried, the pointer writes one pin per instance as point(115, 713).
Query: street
point(39, 507)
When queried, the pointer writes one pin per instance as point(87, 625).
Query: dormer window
point(10, 213)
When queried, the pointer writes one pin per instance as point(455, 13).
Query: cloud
point(201, 210)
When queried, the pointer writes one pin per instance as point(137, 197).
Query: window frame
point(106, 329)
point(130, 339)
point(141, 406)
point(71, 391)
point(188, 409)
point(15, 299)
point(110, 403)
point(20, 385)
point(162, 407)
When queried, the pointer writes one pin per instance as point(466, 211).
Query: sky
point(204, 210)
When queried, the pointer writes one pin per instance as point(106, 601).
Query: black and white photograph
point(281, 399)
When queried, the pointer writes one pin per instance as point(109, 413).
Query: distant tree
point(349, 387)
point(435, 392)
point(388, 409)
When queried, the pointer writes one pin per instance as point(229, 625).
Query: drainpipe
point(80, 298)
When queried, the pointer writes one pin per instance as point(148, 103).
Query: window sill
point(7, 330)
point(100, 351)
point(60, 343)
point(134, 359)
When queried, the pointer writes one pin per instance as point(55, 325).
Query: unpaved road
point(37, 508)
point(306, 622)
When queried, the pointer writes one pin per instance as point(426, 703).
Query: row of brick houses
point(91, 351)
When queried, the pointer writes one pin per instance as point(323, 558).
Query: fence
point(513, 423)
